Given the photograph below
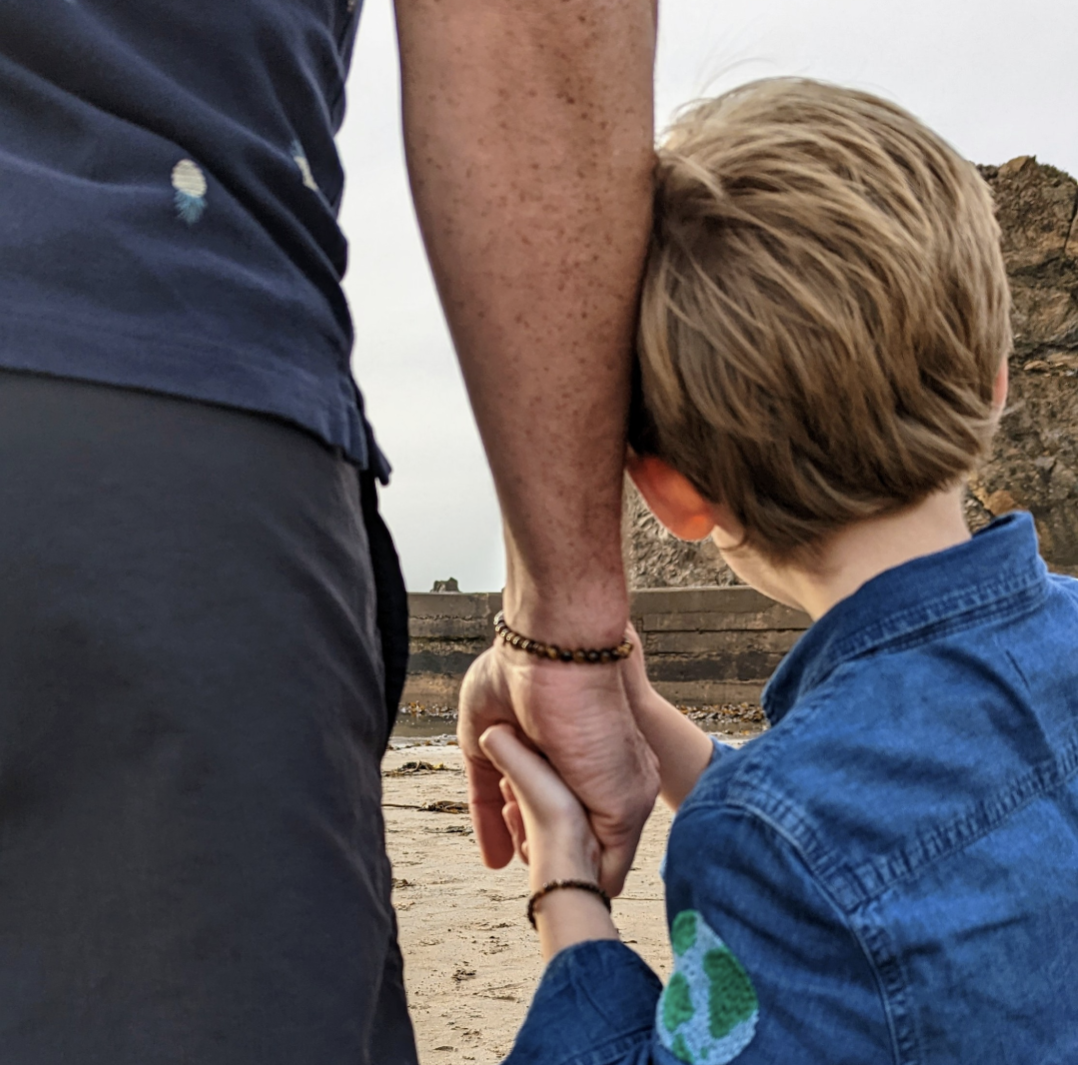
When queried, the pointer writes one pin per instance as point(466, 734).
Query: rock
point(1063, 360)
point(1036, 207)
point(1034, 459)
point(1038, 212)
point(446, 586)
point(1035, 454)
point(1001, 502)
point(1034, 462)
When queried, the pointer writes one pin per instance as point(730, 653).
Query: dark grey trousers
point(202, 635)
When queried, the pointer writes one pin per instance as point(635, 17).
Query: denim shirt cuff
point(595, 1006)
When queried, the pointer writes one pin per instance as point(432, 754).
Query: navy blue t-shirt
point(169, 188)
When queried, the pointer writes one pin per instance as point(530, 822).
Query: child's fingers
point(506, 789)
point(534, 783)
point(514, 821)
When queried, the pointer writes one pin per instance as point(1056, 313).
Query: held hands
point(550, 832)
point(524, 802)
point(579, 717)
point(546, 821)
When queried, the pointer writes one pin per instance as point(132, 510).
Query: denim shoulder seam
point(892, 981)
point(856, 885)
point(874, 877)
point(746, 789)
point(1016, 598)
point(844, 914)
point(1024, 601)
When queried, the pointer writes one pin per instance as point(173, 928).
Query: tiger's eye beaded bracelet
point(559, 654)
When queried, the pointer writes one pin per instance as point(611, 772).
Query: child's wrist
point(567, 917)
point(562, 867)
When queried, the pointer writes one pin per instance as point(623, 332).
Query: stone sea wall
point(704, 646)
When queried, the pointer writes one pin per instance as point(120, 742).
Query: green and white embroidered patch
point(708, 1011)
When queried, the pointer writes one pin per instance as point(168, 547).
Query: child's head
point(825, 311)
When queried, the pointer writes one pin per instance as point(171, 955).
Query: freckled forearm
point(529, 137)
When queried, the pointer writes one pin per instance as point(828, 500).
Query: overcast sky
point(998, 79)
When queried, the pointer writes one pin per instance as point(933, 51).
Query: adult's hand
point(578, 716)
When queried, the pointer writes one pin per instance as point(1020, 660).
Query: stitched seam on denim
point(612, 1052)
point(874, 878)
point(980, 608)
point(757, 759)
point(894, 986)
point(784, 819)
point(788, 820)
point(844, 913)
point(747, 790)
point(1010, 608)
point(891, 981)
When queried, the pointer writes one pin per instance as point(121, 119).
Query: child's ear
point(999, 388)
point(671, 497)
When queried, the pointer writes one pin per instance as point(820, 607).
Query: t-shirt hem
point(329, 407)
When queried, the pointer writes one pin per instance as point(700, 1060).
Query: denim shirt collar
point(925, 595)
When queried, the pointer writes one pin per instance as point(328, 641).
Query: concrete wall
point(704, 645)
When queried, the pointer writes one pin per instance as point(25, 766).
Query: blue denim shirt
point(891, 873)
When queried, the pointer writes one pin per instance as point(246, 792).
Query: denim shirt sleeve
point(595, 1006)
point(766, 968)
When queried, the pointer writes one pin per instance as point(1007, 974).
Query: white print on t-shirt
point(190, 185)
point(300, 158)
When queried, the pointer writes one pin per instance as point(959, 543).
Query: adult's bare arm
point(528, 127)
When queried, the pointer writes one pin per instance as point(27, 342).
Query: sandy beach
point(472, 960)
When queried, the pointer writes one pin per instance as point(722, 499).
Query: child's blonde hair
point(825, 310)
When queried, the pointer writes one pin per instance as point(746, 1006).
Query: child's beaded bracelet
point(560, 885)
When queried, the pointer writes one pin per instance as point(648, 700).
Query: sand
point(471, 958)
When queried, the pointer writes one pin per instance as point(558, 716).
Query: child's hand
point(548, 824)
point(551, 833)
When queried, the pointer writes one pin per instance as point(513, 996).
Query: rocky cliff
point(1034, 463)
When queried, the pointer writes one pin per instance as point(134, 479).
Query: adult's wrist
point(568, 586)
point(581, 615)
